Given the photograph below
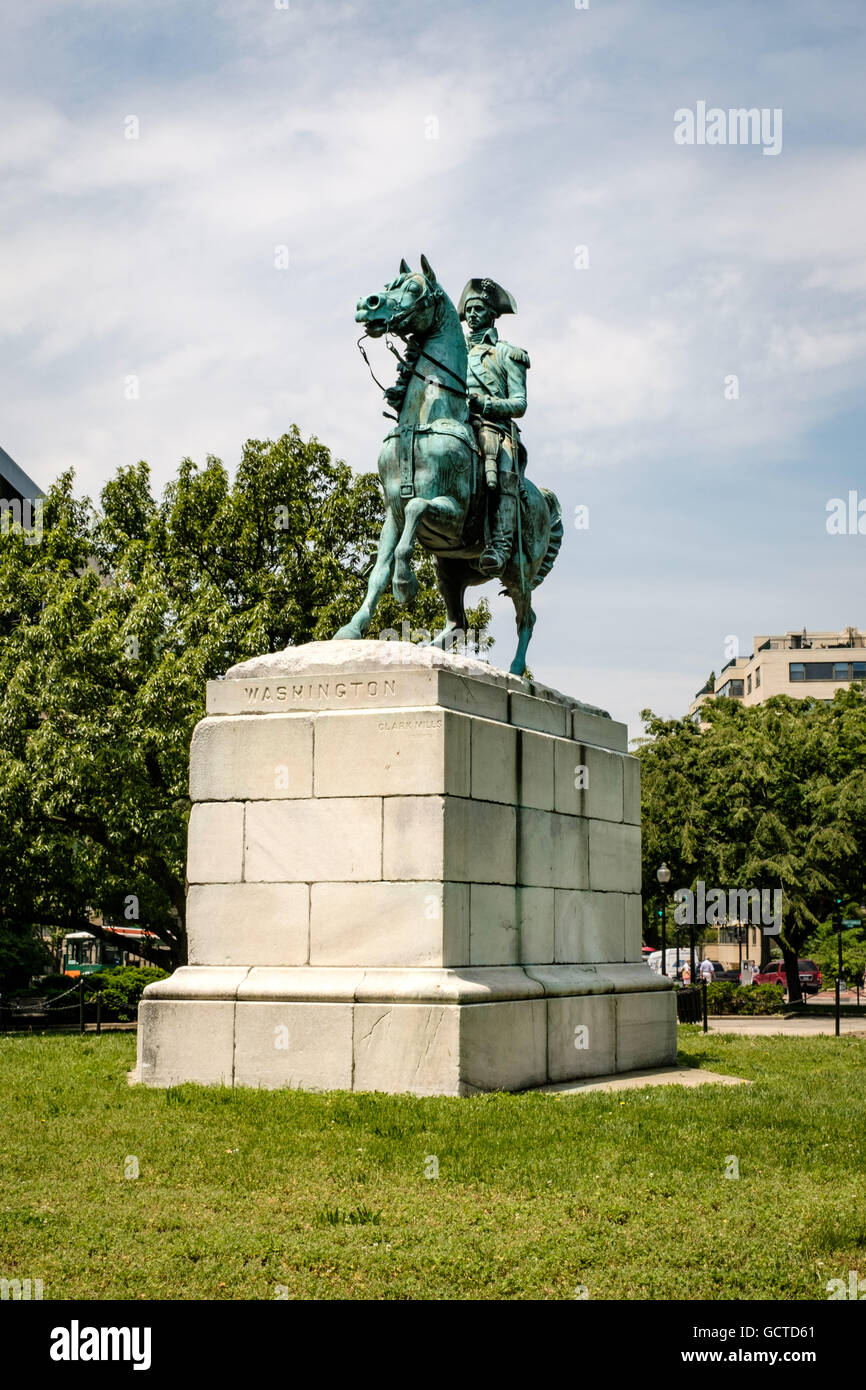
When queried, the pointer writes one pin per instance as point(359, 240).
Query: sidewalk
point(790, 1027)
point(631, 1080)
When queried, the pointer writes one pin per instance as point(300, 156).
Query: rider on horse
point(496, 382)
point(428, 463)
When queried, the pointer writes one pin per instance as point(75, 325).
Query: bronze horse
point(429, 464)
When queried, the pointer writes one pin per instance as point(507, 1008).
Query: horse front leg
point(442, 512)
point(378, 582)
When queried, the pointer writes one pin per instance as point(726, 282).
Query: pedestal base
point(408, 872)
point(437, 1032)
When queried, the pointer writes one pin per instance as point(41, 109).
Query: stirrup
point(489, 561)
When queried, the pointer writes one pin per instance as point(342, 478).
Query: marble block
point(408, 871)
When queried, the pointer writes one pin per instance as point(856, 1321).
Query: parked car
point(719, 973)
point(726, 976)
point(810, 975)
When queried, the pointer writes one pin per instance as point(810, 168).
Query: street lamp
point(663, 875)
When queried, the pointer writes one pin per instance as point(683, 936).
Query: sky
point(697, 369)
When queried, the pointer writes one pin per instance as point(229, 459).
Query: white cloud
point(306, 128)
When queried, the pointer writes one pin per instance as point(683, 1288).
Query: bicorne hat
point(500, 301)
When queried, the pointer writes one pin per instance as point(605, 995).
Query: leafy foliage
point(769, 796)
point(121, 989)
point(728, 998)
point(824, 950)
point(109, 629)
point(22, 955)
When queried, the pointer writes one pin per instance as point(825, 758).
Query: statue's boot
point(495, 556)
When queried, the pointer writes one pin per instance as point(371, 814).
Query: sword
point(515, 449)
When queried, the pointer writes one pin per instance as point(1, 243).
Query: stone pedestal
point(407, 872)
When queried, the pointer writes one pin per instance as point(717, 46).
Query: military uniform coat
point(497, 372)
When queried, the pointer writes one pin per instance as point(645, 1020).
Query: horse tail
point(556, 533)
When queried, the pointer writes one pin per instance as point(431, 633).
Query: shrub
point(762, 999)
point(54, 984)
point(720, 997)
point(728, 998)
point(121, 989)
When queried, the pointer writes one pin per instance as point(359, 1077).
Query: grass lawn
point(241, 1191)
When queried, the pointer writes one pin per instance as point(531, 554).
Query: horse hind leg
point(452, 587)
point(525, 617)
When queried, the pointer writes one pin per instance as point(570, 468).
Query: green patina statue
point(452, 469)
point(496, 380)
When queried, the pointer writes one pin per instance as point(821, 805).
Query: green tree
point(824, 946)
point(770, 796)
point(22, 955)
point(109, 629)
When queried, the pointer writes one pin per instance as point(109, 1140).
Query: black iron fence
point(73, 1009)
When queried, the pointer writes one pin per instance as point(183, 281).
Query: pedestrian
point(687, 974)
point(707, 970)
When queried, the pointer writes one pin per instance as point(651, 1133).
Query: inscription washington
point(319, 690)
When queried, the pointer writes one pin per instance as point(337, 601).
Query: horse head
point(409, 304)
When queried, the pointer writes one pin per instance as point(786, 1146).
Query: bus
point(85, 954)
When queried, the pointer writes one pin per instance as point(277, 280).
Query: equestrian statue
point(453, 466)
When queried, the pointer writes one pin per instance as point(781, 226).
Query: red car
point(810, 976)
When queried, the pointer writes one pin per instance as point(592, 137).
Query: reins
point(455, 390)
point(409, 367)
point(436, 363)
point(382, 388)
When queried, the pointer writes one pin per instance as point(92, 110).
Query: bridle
point(395, 325)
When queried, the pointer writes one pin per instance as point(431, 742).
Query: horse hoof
point(404, 590)
point(517, 668)
point(347, 633)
